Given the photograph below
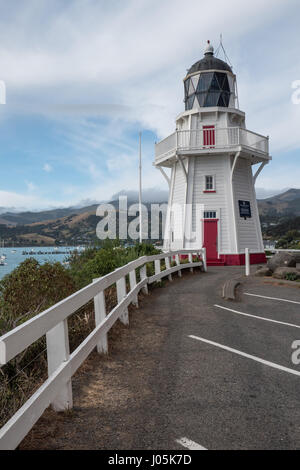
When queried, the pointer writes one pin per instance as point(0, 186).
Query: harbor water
point(12, 257)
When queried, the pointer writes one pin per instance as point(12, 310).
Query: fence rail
point(281, 250)
point(57, 389)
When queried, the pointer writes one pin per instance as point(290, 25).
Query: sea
point(15, 256)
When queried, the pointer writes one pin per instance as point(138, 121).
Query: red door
point(211, 238)
point(209, 136)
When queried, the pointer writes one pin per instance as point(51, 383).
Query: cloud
point(120, 70)
point(30, 186)
point(12, 199)
point(20, 202)
point(48, 168)
point(126, 58)
point(153, 195)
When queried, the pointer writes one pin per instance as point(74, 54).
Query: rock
point(263, 272)
point(280, 273)
point(283, 259)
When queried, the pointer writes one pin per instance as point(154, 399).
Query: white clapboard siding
point(247, 230)
point(218, 201)
point(178, 200)
point(60, 375)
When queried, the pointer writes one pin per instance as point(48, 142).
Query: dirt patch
point(108, 391)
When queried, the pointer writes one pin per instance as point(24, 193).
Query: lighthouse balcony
point(212, 140)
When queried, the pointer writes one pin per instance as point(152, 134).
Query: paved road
point(159, 385)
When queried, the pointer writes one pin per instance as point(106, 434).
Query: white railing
point(57, 389)
point(166, 146)
point(216, 138)
point(274, 251)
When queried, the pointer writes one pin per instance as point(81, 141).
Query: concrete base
point(235, 260)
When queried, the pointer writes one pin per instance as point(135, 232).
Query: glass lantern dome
point(209, 82)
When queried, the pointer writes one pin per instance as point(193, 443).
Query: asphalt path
point(188, 373)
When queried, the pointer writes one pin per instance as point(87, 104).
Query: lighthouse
point(211, 163)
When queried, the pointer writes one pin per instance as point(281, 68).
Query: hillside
point(285, 204)
point(288, 225)
point(24, 218)
point(73, 229)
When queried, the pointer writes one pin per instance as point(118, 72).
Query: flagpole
point(140, 187)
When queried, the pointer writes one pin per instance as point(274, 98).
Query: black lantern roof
point(209, 62)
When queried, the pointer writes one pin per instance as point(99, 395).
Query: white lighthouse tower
point(213, 158)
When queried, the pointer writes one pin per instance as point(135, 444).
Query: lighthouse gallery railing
point(211, 138)
point(57, 389)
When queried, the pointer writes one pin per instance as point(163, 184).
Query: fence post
point(190, 255)
point(100, 314)
point(143, 274)
point(121, 294)
point(132, 280)
point(204, 259)
point(177, 260)
point(247, 261)
point(157, 267)
point(168, 266)
point(58, 351)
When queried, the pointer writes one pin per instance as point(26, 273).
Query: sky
point(84, 77)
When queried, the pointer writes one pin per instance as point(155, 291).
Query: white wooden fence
point(284, 250)
point(57, 389)
point(281, 250)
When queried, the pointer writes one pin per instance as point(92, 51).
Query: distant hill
point(24, 218)
point(286, 204)
point(77, 227)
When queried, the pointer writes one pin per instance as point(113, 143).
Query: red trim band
point(235, 260)
point(239, 260)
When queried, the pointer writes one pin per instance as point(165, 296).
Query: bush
point(292, 276)
point(25, 292)
point(98, 262)
point(30, 289)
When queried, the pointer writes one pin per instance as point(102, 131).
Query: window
point(209, 183)
point(210, 88)
point(210, 215)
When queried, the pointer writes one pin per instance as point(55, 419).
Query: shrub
point(292, 276)
point(25, 292)
point(30, 289)
point(98, 262)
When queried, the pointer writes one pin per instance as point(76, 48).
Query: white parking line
point(259, 318)
point(249, 356)
point(273, 298)
point(191, 445)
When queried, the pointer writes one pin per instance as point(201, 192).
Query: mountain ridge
point(283, 204)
